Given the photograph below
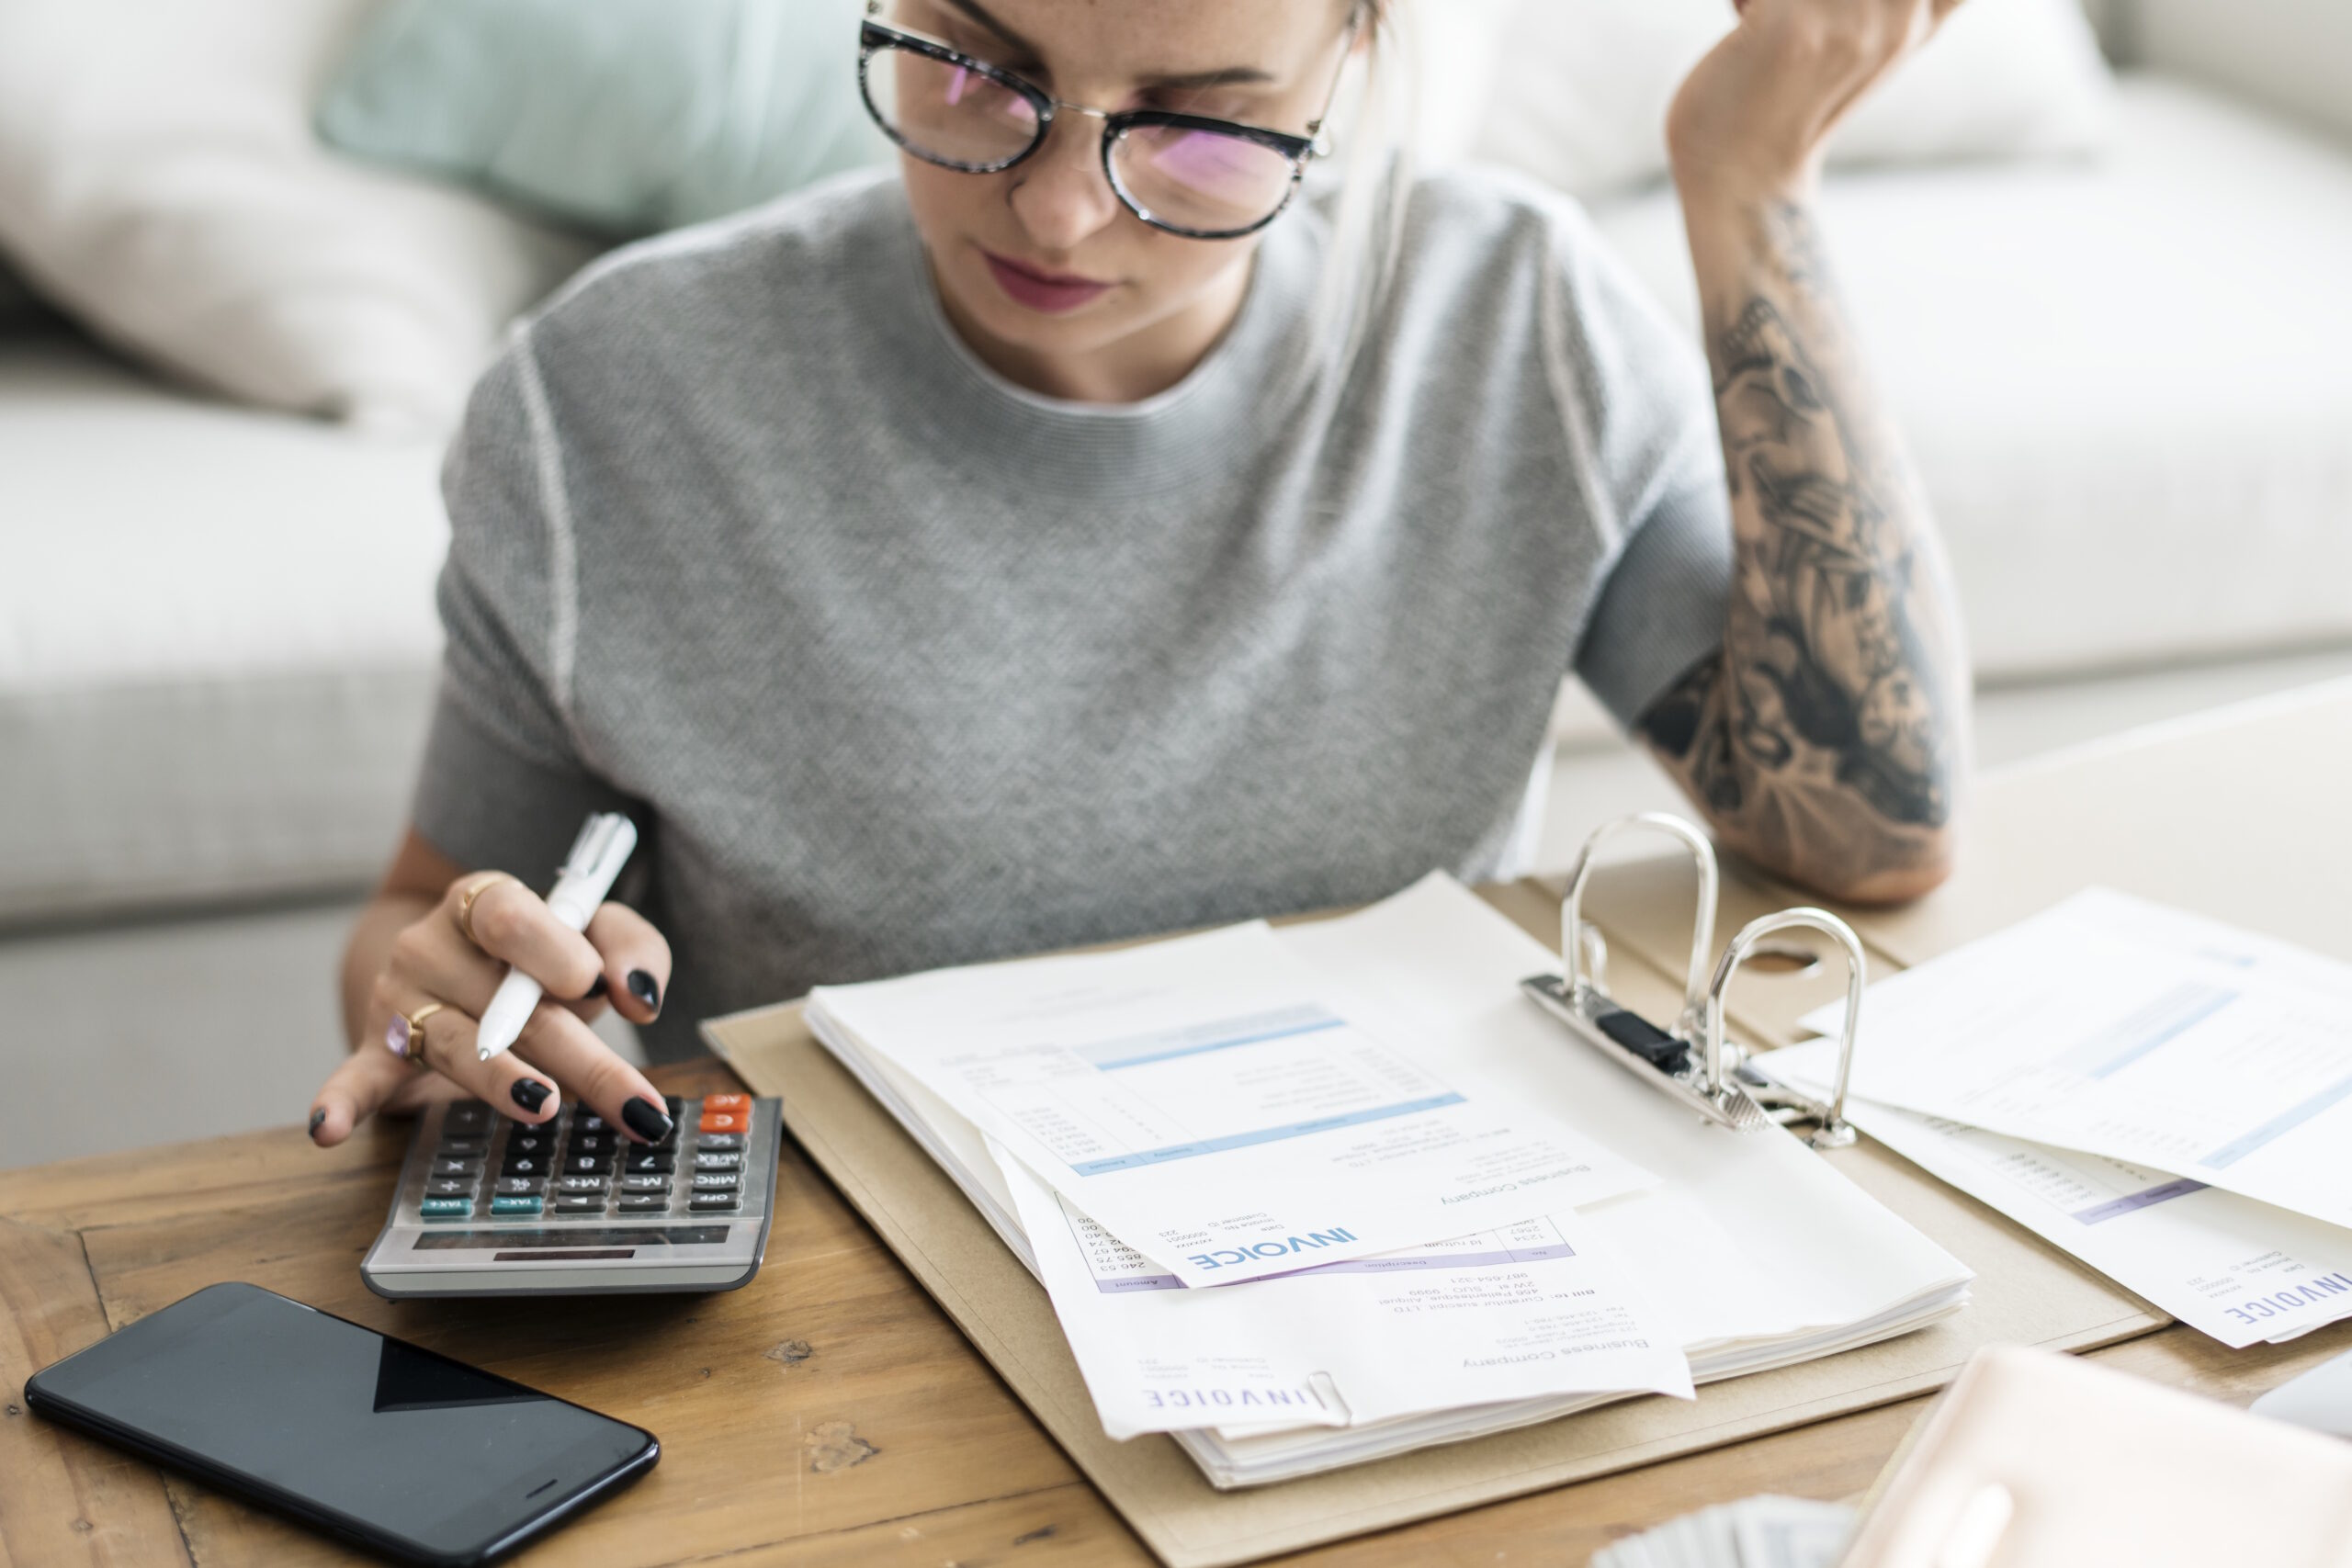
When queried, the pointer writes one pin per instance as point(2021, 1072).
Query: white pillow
point(159, 180)
point(1583, 86)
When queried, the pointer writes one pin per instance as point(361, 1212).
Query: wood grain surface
point(826, 1413)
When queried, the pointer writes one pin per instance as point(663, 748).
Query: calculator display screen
point(575, 1235)
point(331, 1416)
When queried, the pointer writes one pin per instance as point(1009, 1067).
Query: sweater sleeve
point(1639, 408)
point(503, 782)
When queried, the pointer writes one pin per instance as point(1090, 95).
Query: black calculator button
point(515, 1186)
point(534, 1143)
point(713, 1201)
point(604, 1143)
point(675, 1104)
point(466, 1120)
point(722, 1160)
point(648, 1182)
point(524, 1167)
point(719, 1140)
point(641, 1161)
point(450, 1186)
point(592, 1122)
point(712, 1180)
point(644, 1202)
point(587, 1165)
point(463, 1148)
point(580, 1203)
point(579, 1184)
point(446, 1169)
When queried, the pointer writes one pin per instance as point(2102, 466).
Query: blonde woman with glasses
point(1103, 525)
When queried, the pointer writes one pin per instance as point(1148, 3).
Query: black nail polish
point(530, 1094)
point(599, 988)
point(645, 988)
point(647, 1120)
point(317, 1118)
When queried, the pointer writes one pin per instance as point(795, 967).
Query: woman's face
point(1053, 280)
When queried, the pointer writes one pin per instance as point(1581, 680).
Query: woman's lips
point(1053, 293)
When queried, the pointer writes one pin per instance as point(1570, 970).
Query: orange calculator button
point(724, 1122)
point(742, 1102)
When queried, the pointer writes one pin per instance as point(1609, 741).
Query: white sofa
point(2124, 382)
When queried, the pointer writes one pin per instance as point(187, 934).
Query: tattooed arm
point(1828, 738)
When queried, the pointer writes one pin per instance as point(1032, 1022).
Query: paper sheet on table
point(1222, 1107)
point(1529, 1310)
point(2229, 1267)
point(2121, 1028)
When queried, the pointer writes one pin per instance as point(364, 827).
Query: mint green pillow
point(625, 117)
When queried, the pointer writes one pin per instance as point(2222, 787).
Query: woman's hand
point(1751, 118)
point(434, 960)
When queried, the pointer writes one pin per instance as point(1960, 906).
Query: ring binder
point(1692, 1062)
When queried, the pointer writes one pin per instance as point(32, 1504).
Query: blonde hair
point(1367, 224)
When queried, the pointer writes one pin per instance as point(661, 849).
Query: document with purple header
point(2242, 1272)
point(1524, 1312)
point(2123, 1029)
point(1222, 1107)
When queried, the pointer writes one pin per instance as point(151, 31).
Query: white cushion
point(216, 640)
point(2124, 382)
point(158, 179)
point(1583, 88)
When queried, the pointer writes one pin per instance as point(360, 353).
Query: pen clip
point(604, 837)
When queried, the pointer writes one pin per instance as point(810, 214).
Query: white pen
point(596, 858)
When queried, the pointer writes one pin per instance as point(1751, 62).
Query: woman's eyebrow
point(978, 14)
point(1229, 77)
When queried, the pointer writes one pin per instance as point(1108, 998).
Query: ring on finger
point(475, 889)
point(405, 1034)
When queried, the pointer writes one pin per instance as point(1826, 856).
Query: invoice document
point(2120, 1028)
point(2242, 1272)
point(1529, 1310)
point(1223, 1107)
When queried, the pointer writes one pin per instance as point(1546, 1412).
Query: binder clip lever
point(1663, 1058)
point(1692, 1061)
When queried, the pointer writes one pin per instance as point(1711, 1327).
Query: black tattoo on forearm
point(1824, 738)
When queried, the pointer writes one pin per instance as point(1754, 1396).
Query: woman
point(1076, 536)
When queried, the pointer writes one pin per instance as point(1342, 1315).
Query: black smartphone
point(370, 1438)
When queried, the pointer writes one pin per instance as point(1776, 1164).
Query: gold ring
point(404, 1036)
point(474, 890)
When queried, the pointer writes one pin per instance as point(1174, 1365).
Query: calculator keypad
point(484, 1166)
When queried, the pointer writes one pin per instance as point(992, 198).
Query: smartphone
point(390, 1447)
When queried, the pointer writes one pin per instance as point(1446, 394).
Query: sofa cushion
point(2122, 381)
point(159, 180)
point(216, 640)
point(627, 116)
point(1581, 96)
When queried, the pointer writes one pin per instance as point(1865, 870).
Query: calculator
point(487, 1206)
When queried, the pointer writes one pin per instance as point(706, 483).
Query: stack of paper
point(2166, 1098)
point(1311, 1197)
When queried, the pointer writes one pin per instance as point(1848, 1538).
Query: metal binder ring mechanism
point(1691, 1060)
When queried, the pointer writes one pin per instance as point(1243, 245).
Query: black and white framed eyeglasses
point(1189, 174)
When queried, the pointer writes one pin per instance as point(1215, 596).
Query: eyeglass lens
point(1189, 178)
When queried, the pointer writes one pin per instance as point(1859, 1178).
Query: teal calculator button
point(515, 1205)
point(448, 1208)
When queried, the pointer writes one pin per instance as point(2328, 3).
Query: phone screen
point(410, 1445)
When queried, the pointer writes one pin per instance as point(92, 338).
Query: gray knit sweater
point(900, 665)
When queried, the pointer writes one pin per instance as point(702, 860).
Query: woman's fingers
point(514, 925)
point(450, 1035)
point(563, 1048)
point(636, 961)
point(353, 1093)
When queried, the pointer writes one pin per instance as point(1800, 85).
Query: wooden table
point(827, 1413)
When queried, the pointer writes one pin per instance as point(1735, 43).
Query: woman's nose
point(1061, 194)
